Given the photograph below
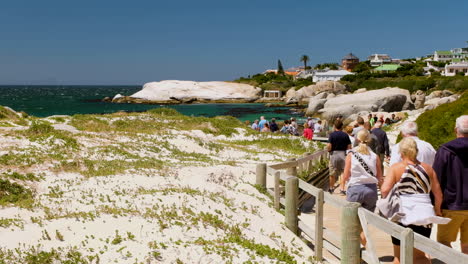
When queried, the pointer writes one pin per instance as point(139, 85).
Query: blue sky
point(133, 42)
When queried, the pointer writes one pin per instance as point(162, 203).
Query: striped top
point(414, 180)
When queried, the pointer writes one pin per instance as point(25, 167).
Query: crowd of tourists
point(291, 127)
point(417, 172)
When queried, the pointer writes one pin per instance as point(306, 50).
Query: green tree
point(280, 68)
point(363, 66)
point(304, 59)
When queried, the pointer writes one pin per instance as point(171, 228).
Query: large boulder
point(328, 86)
point(434, 102)
point(315, 105)
point(311, 90)
point(291, 93)
point(322, 95)
point(434, 94)
point(382, 100)
point(183, 91)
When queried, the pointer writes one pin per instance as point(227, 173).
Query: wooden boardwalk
point(331, 222)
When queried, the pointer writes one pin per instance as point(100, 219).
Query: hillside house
point(332, 75)
point(453, 68)
point(379, 59)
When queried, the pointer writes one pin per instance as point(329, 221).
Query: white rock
point(387, 99)
point(360, 90)
point(117, 96)
point(166, 90)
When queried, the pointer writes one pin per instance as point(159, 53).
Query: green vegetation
point(8, 115)
point(304, 59)
point(272, 81)
point(12, 193)
point(280, 68)
point(35, 255)
point(92, 168)
point(412, 83)
point(40, 131)
point(329, 65)
point(152, 122)
point(23, 177)
point(283, 144)
point(408, 76)
point(437, 126)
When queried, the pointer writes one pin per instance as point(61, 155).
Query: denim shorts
point(365, 194)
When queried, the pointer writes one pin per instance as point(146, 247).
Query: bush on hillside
point(437, 126)
point(373, 81)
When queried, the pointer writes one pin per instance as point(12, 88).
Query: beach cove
point(48, 100)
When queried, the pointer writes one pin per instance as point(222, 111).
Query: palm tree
point(305, 59)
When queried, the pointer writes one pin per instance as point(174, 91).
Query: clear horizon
point(120, 43)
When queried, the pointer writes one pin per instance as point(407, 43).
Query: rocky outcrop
point(311, 90)
point(435, 102)
point(386, 100)
point(188, 91)
point(315, 105)
point(439, 94)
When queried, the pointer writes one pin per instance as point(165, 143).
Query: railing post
point(307, 164)
point(277, 191)
point(292, 170)
point(319, 226)
point(406, 246)
point(261, 175)
point(350, 231)
point(291, 219)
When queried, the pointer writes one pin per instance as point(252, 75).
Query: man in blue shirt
point(262, 123)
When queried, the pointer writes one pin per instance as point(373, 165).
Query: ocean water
point(47, 100)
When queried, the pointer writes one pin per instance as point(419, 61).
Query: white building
point(305, 74)
point(379, 59)
point(333, 75)
point(453, 55)
point(453, 68)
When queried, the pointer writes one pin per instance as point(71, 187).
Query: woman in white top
point(362, 172)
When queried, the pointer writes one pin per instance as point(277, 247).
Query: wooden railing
point(345, 246)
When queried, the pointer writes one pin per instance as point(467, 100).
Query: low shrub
point(164, 111)
point(13, 193)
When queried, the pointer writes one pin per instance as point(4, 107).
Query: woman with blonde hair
point(410, 182)
point(363, 174)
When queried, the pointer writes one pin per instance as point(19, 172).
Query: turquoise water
point(43, 100)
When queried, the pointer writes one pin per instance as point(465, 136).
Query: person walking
point(310, 122)
point(273, 125)
point(294, 123)
point(412, 181)
point(362, 173)
point(426, 152)
point(318, 127)
point(338, 143)
point(255, 125)
point(266, 128)
point(262, 123)
point(308, 133)
point(451, 167)
point(286, 127)
point(370, 120)
point(382, 141)
point(360, 123)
